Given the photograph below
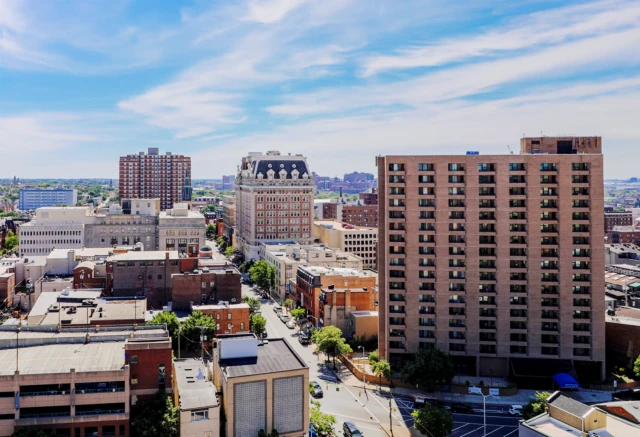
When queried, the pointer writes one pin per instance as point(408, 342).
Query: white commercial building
point(54, 227)
point(181, 229)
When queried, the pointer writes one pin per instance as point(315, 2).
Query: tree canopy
point(536, 406)
point(429, 368)
point(373, 357)
point(156, 417)
point(636, 366)
point(10, 242)
point(258, 324)
point(211, 231)
point(433, 421)
point(321, 423)
point(172, 322)
point(254, 304)
point(382, 369)
point(330, 342)
point(263, 274)
point(197, 319)
point(229, 251)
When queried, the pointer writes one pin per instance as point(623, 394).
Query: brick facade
point(230, 319)
point(215, 286)
point(612, 219)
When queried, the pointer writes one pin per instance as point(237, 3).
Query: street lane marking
point(510, 433)
point(455, 429)
point(493, 431)
point(471, 432)
point(351, 417)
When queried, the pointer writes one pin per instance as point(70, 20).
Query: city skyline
point(215, 81)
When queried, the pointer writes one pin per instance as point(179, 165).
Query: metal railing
point(44, 393)
point(42, 415)
point(98, 412)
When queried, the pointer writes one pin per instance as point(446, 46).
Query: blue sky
point(341, 81)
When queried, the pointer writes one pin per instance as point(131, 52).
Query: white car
point(291, 324)
point(516, 410)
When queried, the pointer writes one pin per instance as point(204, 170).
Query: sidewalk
point(521, 398)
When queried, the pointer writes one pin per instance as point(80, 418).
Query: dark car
point(316, 390)
point(461, 408)
point(350, 430)
point(304, 339)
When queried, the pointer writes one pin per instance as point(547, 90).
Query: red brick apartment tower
point(497, 260)
point(153, 176)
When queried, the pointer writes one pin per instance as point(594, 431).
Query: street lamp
point(478, 391)
point(364, 383)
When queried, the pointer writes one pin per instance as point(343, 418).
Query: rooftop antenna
point(510, 151)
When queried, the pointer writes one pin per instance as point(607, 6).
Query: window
point(162, 372)
point(134, 359)
point(229, 316)
point(199, 415)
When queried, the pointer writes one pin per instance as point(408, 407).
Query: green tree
point(636, 367)
point(244, 267)
point(373, 357)
point(211, 231)
point(429, 368)
point(298, 313)
point(330, 342)
point(287, 304)
point(191, 326)
point(10, 242)
point(433, 421)
point(172, 322)
point(258, 324)
point(321, 423)
point(536, 406)
point(229, 251)
point(382, 369)
point(156, 417)
point(254, 304)
point(263, 274)
point(33, 432)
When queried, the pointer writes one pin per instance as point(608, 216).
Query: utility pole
point(390, 417)
point(202, 338)
point(179, 335)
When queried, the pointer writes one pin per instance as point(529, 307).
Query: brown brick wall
point(188, 288)
point(146, 370)
point(622, 340)
point(239, 316)
point(612, 219)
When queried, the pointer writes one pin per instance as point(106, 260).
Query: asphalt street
point(369, 409)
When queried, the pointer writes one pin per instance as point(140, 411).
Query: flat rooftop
point(550, 427)
point(338, 271)
point(619, 279)
point(274, 355)
point(344, 227)
point(232, 306)
point(364, 313)
point(150, 255)
point(195, 390)
point(105, 312)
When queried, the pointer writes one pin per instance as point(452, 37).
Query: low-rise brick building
point(206, 286)
point(230, 318)
point(617, 218)
point(312, 282)
point(336, 304)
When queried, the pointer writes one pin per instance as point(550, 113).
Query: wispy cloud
point(535, 30)
point(271, 11)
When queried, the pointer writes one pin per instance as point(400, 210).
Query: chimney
point(347, 302)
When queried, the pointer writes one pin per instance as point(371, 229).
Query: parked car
point(421, 401)
point(277, 308)
point(284, 317)
point(461, 408)
point(316, 390)
point(516, 410)
point(304, 339)
point(350, 430)
point(291, 324)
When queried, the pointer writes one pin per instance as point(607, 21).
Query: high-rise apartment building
point(151, 175)
point(496, 259)
point(274, 201)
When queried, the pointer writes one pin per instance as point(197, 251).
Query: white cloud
point(542, 28)
point(271, 11)
point(604, 52)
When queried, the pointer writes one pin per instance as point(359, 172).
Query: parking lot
point(470, 425)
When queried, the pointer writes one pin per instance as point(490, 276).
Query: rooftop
point(274, 355)
point(364, 313)
point(151, 255)
point(338, 271)
point(620, 279)
point(61, 358)
point(628, 410)
point(623, 248)
point(550, 427)
point(232, 306)
point(194, 389)
point(343, 227)
point(569, 405)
